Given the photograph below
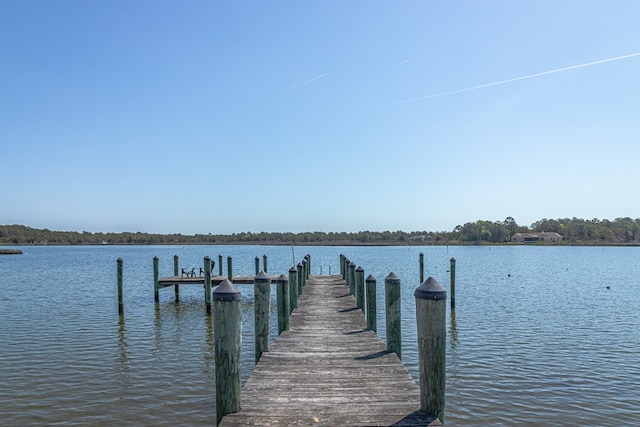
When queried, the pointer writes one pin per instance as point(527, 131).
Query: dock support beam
point(262, 309)
point(431, 307)
point(284, 303)
point(393, 313)
point(120, 286)
point(227, 324)
point(156, 280)
point(207, 283)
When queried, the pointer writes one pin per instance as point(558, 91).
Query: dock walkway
point(329, 370)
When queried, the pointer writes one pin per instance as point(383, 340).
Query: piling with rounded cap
point(284, 301)
point(230, 268)
point(394, 313)
point(360, 296)
point(372, 321)
point(156, 280)
point(207, 283)
point(227, 324)
point(120, 286)
point(176, 272)
point(308, 258)
point(220, 265)
point(257, 265)
point(431, 306)
point(264, 263)
point(293, 288)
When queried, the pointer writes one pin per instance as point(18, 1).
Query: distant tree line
point(621, 231)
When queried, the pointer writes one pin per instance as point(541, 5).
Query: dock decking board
point(328, 369)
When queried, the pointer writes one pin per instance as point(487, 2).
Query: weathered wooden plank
point(328, 369)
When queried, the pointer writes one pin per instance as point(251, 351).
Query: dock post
point(304, 272)
point(300, 283)
point(257, 266)
point(372, 321)
point(394, 314)
point(360, 296)
point(431, 307)
point(156, 280)
point(352, 278)
point(342, 266)
point(207, 283)
point(230, 268)
point(293, 288)
point(227, 324)
point(176, 273)
point(120, 291)
point(453, 283)
point(262, 309)
point(308, 257)
point(421, 267)
point(284, 303)
point(264, 263)
point(219, 265)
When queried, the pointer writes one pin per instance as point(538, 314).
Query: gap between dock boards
point(328, 369)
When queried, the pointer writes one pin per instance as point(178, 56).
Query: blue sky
point(230, 116)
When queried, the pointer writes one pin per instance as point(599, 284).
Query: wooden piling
point(230, 268)
point(393, 313)
point(360, 295)
point(219, 265)
point(300, 282)
point(262, 310)
point(284, 301)
point(372, 321)
point(453, 283)
point(308, 258)
point(293, 288)
point(304, 272)
point(264, 263)
point(120, 286)
point(421, 267)
point(257, 260)
point(431, 307)
point(352, 278)
point(176, 272)
point(342, 267)
point(156, 280)
point(227, 324)
point(207, 284)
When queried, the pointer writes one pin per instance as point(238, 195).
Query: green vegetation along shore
point(575, 231)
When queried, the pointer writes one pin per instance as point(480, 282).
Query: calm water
point(536, 338)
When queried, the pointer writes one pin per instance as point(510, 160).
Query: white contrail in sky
point(501, 82)
point(306, 82)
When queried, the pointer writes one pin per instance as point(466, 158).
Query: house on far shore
point(536, 237)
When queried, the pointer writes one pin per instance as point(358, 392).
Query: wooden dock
point(329, 370)
point(199, 280)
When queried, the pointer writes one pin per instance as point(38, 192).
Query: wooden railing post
point(431, 307)
point(372, 321)
point(284, 301)
point(120, 286)
point(176, 272)
point(293, 288)
point(262, 309)
point(156, 280)
point(227, 324)
point(393, 313)
point(360, 295)
point(207, 283)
